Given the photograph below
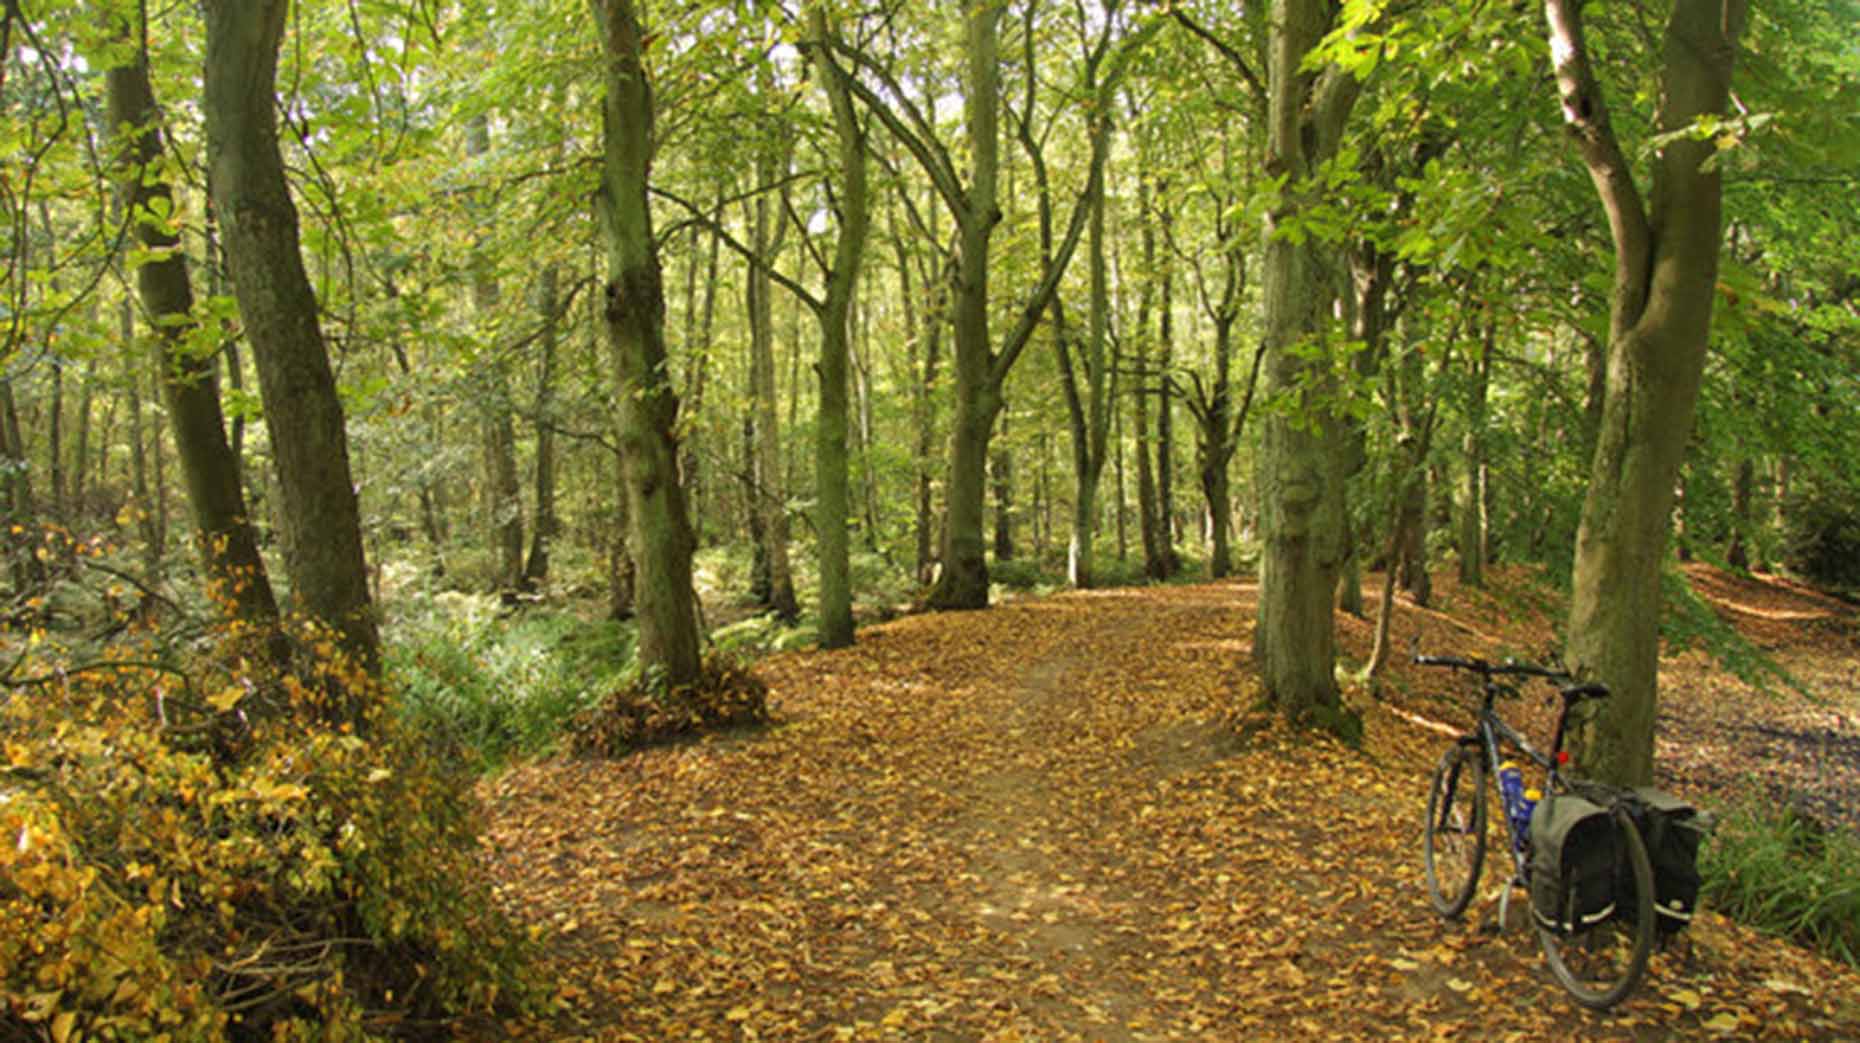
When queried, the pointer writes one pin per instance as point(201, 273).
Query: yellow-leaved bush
point(177, 865)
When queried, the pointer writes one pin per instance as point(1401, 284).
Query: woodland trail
point(1046, 822)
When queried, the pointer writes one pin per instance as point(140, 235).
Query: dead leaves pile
point(1040, 822)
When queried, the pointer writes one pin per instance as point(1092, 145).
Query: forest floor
point(1057, 820)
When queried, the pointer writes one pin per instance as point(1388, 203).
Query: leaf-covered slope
point(1049, 821)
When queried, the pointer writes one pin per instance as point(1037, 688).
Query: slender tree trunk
point(536, 569)
point(223, 530)
point(141, 494)
point(1001, 475)
point(21, 524)
point(1165, 411)
point(830, 454)
point(80, 463)
point(1743, 481)
point(503, 495)
point(658, 529)
point(1666, 261)
point(303, 414)
point(769, 482)
point(1472, 539)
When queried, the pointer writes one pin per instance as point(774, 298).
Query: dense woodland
point(356, 314)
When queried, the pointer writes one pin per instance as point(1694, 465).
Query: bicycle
point(1599, 962)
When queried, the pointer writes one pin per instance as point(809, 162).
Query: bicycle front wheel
point(1454, 845)
point(1602, 965)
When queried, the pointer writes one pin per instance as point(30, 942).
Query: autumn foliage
point(179, 865)
point(646, 712)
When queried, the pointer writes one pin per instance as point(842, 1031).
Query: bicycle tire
point(1602, 966)
point(1456, 826)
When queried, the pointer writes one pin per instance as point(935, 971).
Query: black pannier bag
point(1673, 830)
point(1573, 860)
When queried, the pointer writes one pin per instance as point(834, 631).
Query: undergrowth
point(189, 854)
point(490, 687)
point(1781, 870)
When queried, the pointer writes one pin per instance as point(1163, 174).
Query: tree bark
point(768, 482)
point(542, 531)
point(830, 437)
point(658, 528)
point(503, 488)
point(188, 374)
point(310, 449)
point(1666, 261)
point(1302, 465)
point(1472, 537)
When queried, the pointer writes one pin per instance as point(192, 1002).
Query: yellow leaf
point(1724, 1022)
point(1402, 964)
point(1458, 984)
point(1688, 999)
point(226, 698)
point(737, 1014)
point(62, 1026)
point(895, 1019)
point(663, 986)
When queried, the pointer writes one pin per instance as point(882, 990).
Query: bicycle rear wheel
point(1454, 845)
point(1602, 965)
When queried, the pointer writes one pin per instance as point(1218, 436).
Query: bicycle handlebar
point(1570, 687)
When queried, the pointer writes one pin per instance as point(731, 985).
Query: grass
point(1784, 872)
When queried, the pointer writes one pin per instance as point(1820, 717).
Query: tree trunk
point(1743, 480)
point(140, 492)
point(658, 529)
point(536, 569)
point(963, 583)
point(303, 414)
point(1302, 465)
point(80, 463)
point(21, 533)
point(769, 483)
point(503, 488)
point(1001, 475)
point(1165, 414)
point(223, 531)
point(830, 436)
point(1472, 537)
point(1666, 260)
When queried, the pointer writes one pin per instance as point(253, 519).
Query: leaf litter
point(1065, 819)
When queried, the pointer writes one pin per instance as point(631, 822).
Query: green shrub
point(177, 865)
point(1783, 871)
point(646, 711)
point(490, 687)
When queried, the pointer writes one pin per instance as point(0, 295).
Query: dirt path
point(1039, 822)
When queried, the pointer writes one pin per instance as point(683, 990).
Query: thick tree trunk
point(658, 528)
point(1302, 456)
point(310, 449)
point(1666, 259)
point(963, 583)
point(223, 531)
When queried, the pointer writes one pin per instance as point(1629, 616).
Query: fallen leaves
point(1037, 823)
